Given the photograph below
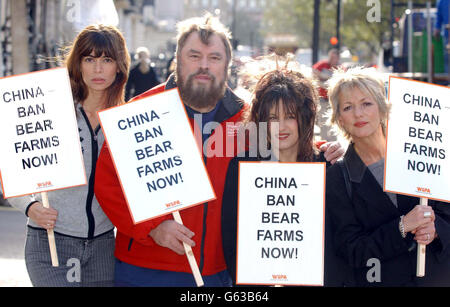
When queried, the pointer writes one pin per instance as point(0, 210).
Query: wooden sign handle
point(190, 255)
point(421, 249)
point(51, 234)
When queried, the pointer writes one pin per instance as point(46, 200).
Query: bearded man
point(151, 253)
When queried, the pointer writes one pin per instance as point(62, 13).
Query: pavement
point(13, 272)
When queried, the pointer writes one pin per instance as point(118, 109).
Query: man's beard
point(202, 96)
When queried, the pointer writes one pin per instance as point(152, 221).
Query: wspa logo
point(279, 277)
point(423, 190)
point(43, 185)
point(173, 204)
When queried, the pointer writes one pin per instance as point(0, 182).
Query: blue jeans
point(127, 275)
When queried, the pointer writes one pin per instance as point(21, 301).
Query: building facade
point(50, 25)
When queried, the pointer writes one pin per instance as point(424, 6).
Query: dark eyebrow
point(93, 55)
point(194, 51)
point(216, 54)
point(212, 53)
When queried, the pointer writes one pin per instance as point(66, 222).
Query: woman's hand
point(425, 234)
point(417, 217)
point(44, 217)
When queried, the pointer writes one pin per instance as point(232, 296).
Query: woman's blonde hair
point(366, 80)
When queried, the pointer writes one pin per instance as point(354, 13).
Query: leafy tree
point(365, 24)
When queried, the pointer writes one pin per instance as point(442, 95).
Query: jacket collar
point(367, 186)
point(355, 166)
point(170, 84)
point(230, 106)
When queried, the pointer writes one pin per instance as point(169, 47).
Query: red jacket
point(323, 65)
point(133, 243)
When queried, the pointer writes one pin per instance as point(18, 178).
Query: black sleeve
point(320, 157)
point(442, 224)
point(353, 240)
point(155, 78)
point(229, 217)
point(437, 270)
point(129, 86)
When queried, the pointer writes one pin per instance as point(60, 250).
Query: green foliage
point(358, 32)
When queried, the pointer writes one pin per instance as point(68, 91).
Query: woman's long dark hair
point(102, 40)
point(298, 96)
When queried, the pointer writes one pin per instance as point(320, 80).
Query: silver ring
point(427, 214)
point(428, 237)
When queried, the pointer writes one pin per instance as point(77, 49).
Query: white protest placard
point(418, 140)
point(40, 148)
point(281, 223)
point(155, 155)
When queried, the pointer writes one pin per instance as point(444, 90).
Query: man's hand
point(170, 234)
point(333, 151)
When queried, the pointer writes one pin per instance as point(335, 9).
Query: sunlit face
point(359, 114)
point(334, 59)
point(98, 72)
point(201, 71)
point(287, 137)
point(143, 56)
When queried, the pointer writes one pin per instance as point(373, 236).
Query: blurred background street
point(13, 272)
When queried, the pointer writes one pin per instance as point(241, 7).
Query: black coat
point(337, 272)
point(138, 82)
point(366, 226)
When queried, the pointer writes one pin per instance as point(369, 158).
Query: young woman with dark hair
point(98, 64)
point(288, 99)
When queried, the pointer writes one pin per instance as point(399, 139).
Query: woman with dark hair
point(287, 98)
point(101, 50)
point(98, 64)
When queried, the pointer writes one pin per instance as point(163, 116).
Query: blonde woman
point(372, 226)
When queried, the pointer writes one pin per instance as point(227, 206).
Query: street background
point(13, 272)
